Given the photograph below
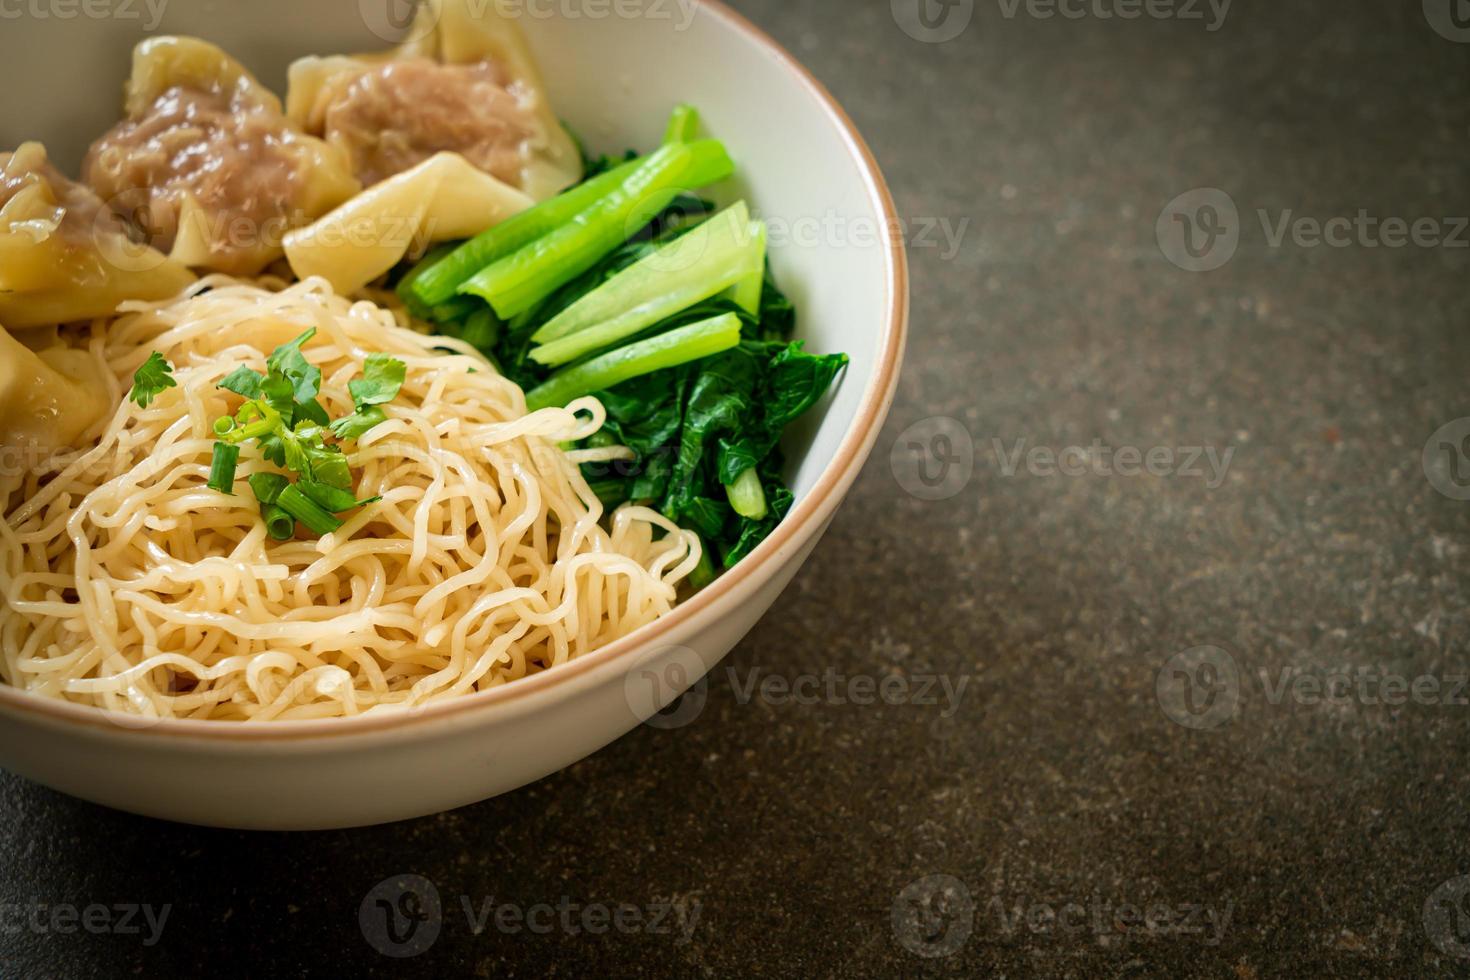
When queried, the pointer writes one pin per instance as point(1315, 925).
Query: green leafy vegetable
point(523, 278)
point(438, 277)
point(715, 256)
point(624, 288)
point(747, 497)
point(151, 378)
point(683, 125)
point(644, 357)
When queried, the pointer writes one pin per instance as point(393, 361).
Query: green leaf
point(329, 466)
point(356, 425)
point(267, 487)
point(312, 412)
point(382, 377)
point(151, 378)
point(243, 381)
point(288, 362)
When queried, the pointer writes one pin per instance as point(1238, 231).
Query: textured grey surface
point(1330, 834)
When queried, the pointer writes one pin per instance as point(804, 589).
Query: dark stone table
point(1213, 721)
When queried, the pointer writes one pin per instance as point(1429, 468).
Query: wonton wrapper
point(218, 217)
point(63, 255)
point(441, 199)
point(455, 32)
point(47, 399)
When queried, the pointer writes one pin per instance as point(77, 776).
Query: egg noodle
point(128, 584)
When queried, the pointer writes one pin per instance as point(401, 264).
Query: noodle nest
point(129, 585)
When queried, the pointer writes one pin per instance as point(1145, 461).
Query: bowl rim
point(806, 519)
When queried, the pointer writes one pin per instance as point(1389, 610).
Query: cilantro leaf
point(356, 425)
point(382, 377)
point(151, 379)
point(243, 381)
point(288, 362)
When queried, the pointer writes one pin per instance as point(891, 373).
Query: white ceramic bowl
point(614, 78)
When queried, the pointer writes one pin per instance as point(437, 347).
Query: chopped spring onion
point(222, 467)
point(317, 520)
point(280, 525)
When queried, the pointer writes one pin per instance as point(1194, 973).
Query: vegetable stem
point(747, 292)
point(747, 496)
point(694, 267)
point(666, 350)
point(704, 573)
point(525, 277)
point(222, 467)
point(683, 124)
point(438, 277)
point(305, 510)
point(280, 525)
